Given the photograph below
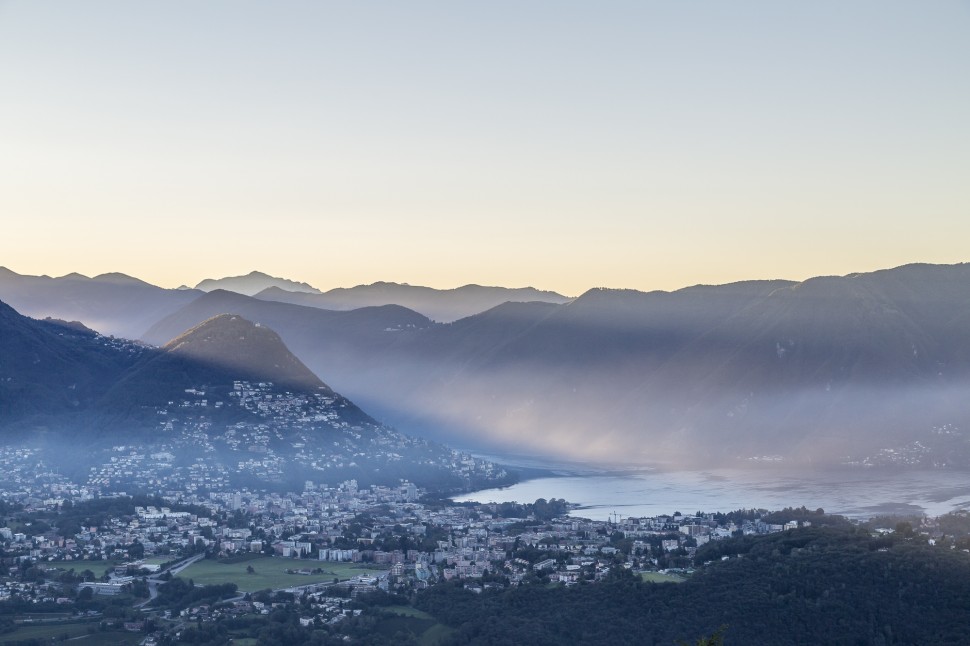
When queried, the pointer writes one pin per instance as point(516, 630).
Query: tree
point(136, 550)
point(716, 639)
point(139, 588)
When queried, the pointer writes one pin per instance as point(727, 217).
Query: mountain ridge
point(254, 282)
point(441, 305)
point(226, 402)
point(113, 304)
point(823, 370)
point(703, 373)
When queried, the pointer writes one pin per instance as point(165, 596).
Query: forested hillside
point(810, 586)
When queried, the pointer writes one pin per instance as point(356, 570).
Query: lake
point(855, 493)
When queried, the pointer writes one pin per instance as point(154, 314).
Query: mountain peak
point(243, 350)
point(117, 278)
point(253, 283)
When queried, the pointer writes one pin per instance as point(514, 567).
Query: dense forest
point(809, 586)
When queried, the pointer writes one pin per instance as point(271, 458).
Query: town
point(156, 567)
point(276, 434)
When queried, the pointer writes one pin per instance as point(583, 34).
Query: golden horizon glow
point(562, 146)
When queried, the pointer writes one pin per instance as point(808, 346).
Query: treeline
point(808, 586)
point(801, 514)
point(543, 510)
point(282, 628)
point(73, 517)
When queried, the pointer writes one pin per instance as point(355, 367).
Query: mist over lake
point(856, 493)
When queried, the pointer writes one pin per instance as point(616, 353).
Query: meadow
point(657, 577)
point(269, 572)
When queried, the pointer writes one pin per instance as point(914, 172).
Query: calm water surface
point(854, 493)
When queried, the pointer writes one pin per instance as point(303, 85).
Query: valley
point(237, 497)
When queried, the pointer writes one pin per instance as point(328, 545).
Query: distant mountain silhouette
point(817, 370)
point(253, 283)
point(347, 342)
point(442, 305)
point(113, 304)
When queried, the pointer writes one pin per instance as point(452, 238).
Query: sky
point(563, 145)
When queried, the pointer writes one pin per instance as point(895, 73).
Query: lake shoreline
point(598, 492)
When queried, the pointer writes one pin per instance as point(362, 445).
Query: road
point(156, 579)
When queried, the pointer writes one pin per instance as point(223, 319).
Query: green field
point(270, 572)
point(657, 577)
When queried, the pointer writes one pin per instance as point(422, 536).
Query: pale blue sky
point(564, 145)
